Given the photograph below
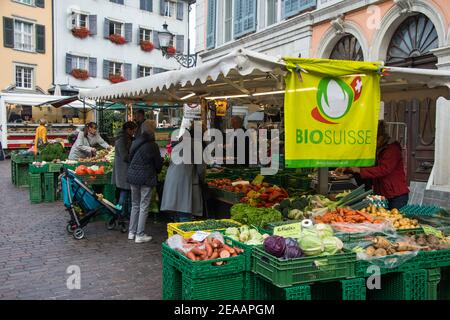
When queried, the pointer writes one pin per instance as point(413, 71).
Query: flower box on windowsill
point(81, 32)
point(80, 74)
point(117, 39)
point(116, 78)
point(147, 46)
point(171, 51)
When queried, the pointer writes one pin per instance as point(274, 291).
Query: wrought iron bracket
point(187, 61)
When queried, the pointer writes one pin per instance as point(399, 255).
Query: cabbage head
point(324, 230)
point(233, 231)
point(275, 245)
point(332, 245)
point(245, 236)
point(311, 245)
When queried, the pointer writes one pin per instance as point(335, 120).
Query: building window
point(28, 2)
point(115, 28)
point(80, 20)
point(24, 77)
point(144, 71)
point(145, 35)
point(347, 48)
point(272, 12)
point(80, 63)
point(116, 68)
point(170, 8)
point(117, 1)
point(228, 20)
point(23, 35)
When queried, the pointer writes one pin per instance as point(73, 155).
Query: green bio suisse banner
point(331, 113)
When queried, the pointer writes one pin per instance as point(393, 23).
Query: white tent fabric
point(241, 61)
point(240, 72)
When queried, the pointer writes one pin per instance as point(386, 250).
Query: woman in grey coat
point(182, 187)
point(122, 145)
point(87, 140)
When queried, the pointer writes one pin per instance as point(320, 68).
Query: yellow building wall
point(43, 73)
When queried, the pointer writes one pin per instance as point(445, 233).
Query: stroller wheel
point(70, 228)
point(78, 234)
point(123, 228)
point(111, 224)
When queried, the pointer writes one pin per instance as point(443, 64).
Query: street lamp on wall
point(165, 38)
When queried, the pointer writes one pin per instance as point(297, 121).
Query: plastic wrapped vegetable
point(332, 245)
point(275, 245)
point(311, 245)
point(324, 230)
point(232, 231)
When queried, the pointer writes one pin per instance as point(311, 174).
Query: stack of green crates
point(184, 279)
point(36, 191)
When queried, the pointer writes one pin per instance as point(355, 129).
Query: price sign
point(200, 236)
point(292, 230)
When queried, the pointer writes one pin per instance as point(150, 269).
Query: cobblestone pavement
point(36, 250)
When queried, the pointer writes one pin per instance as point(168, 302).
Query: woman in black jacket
point(145, 165)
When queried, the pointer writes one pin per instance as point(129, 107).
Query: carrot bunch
point(346, 215)
point(210, 249)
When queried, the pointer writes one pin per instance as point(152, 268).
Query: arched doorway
point(412, 43)
point(347, 48)
point(411, 47)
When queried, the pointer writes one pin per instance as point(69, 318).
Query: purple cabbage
point(275, 245)
point(290, 242)
point(292, 252)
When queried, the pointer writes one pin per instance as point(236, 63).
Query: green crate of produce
point(22, 178)
point(187, 229)
point(38, 169)
point(285, 273)
point(50, 185)
point(249, 285)
point(36, 192)
point(23, 159)
point(265, 290)
point(227, 287)
point(409, 285)
point(70, 166)
point(203, 269)
point(95, 179)
point(55, 167)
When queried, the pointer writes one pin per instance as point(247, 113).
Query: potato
point(380, 252)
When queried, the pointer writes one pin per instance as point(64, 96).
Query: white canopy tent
point(242, 75)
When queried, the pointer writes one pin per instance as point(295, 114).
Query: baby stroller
point(76, 196)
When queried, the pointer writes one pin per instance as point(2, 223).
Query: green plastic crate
point(21, 175)
point(36, 194)
point(409, 285)
point(50, 184)
point(95, 179)
point(23, 159)
point(249, 285)
point(286, 273)
point(444, 284)
point(54, 167)
point(434, 277)
point(265, 290)
point(203, 269)
point(35, 169)
point(348, 289)
point(228, 287)
point(247, 252)
point(301, 292)
point(13, 173)
point(171, 281)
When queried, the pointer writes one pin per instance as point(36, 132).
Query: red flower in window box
point(80, 74)
point(81, 32)
point(117, 39)
point(116, 78)
point(147, 46)
point(171, 51)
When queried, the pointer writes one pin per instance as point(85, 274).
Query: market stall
point(291, 245)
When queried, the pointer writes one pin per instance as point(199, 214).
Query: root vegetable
point(380, 252)
point(198, 252)
point(214, 255)
point(229, 249)
point(370, 251)
point(209, 249)
point(224, 253)
point(191, 255)
point(381, 242)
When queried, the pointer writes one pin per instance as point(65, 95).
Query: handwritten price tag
point(292, 230)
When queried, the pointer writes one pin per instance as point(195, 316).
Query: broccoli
point(286, 203)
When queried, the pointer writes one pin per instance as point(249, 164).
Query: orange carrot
point(191, 255)
point(198, 252)
point(209, 249)
point(214, 255)
point(224, 253)
point(229, 249)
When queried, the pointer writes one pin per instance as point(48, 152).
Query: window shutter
point(138, 74)
point(211, 25)
point(106, 28)
point(150, 5)
point(127, 71)
point(93, 24)
point(244, 17)
point(40, 38)
point(138, 38)
point(292, 7)
point(106, 69)
point(156, 39)
point(128, 32)
point(162, 5)
point(40, 3)
point(238, 18)
point(180, 10)
point(93, 67)
point(119, 1)
point(68, 63)
point(180, 43)
point(8, 32)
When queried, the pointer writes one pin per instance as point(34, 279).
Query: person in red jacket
point(388, 175)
